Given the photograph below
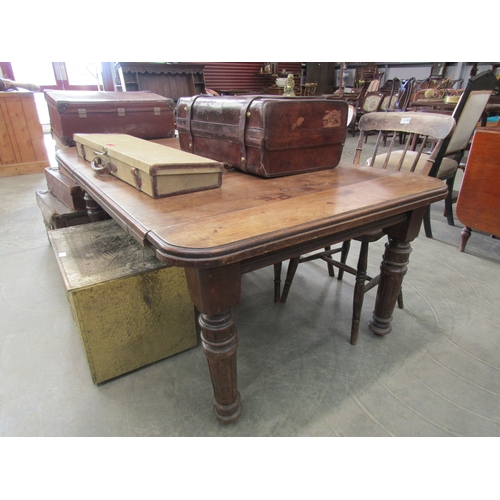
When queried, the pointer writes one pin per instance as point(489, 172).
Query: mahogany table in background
point(478, 204)
point(251, 223)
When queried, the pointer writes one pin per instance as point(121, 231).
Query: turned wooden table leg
point(219, 341)
point(466, 232)
point(392, 271)
point(94, 210)
point(215, 292)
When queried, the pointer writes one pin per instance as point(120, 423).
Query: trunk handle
point(188, 121)
point(244, 114)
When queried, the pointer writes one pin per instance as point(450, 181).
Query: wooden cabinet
point(169, 80)
point(22, 148)
point(322, 73)
point(478, 203)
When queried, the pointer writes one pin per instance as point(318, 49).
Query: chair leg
point(427, 222)
point(359, 292)
point(448, 202)
point(292, 268)
point(346, 245)
point(400, 299)
point(277, 282)
point(331, 270)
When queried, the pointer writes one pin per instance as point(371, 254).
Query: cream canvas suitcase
point(155, 169)
point(129, 308)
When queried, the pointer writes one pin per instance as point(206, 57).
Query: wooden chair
point(308, 89)
point(423, 125)
point(467, 114)
point(397, 98)
point(365, 74)
point(369, 103)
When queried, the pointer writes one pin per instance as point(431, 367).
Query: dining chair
point(369, 103)
point(308, 89)
point(467, 114)
point(423, 125)
point(398, 95)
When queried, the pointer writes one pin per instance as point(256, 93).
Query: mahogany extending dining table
point(250, 223)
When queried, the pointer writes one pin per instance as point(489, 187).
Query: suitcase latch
point(157, 111)
point(121, 111)
point(137, 177)
point(82, 113)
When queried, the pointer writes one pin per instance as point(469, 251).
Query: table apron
point(271, 258)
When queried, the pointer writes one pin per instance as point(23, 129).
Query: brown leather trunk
point(65, 189)
point(140, 114)
point(263, 135)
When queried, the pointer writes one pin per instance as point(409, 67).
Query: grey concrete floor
point(436, 374)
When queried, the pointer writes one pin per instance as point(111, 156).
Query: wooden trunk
point(262, 135)
point(22, 148)
point(140, 114)
point(155, 169)
point(129, 308)
point(65, 189)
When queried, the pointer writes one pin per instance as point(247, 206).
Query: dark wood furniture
point(251, 223)
point(467, 113)
point(478, 204)
point(323, 73)
point(419, 125)
point(365, 75)
point(168, 79)
point(370, 102)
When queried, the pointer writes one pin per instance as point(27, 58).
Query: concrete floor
point(436, 374)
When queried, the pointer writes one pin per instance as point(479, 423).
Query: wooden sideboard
point(168, 80)
point(478, 203)
point(22, 148)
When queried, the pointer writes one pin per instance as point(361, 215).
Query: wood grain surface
point(249, 212)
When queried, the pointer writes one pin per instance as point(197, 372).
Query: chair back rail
point(423, 126)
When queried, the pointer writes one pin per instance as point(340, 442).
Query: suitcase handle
point(97, 165)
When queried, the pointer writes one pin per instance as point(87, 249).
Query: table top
point(250, 216)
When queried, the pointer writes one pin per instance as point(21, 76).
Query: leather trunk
point(140, 114)
point(263, 135)
point(65, 189)
point(152, 168)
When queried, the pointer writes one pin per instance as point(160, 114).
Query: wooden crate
point(129, 308)
point(22, 147)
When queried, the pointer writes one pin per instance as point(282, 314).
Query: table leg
point(94, 210)
point(392, 271)
point(219, 341)
point(215, 292)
